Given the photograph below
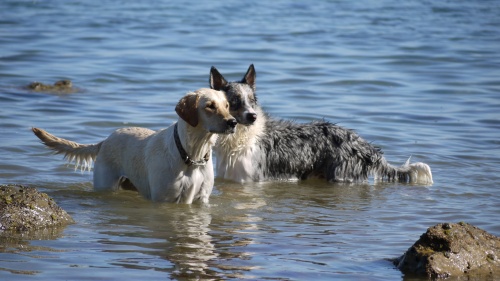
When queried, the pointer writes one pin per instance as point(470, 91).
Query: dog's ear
point(187, 109)
point(217, 81)
point(250, 76)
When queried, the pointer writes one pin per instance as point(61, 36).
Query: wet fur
point(270, 149)
point(149, 160)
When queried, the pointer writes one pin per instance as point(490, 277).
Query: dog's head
point(240, 95)
point(207, 108)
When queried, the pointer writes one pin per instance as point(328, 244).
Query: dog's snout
point(232, 122)
point(251, 117)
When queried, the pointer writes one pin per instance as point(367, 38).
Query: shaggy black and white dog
point(268, 149)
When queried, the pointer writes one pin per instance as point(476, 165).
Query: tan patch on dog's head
point(187, 109)
point(213, 102)
point(207, 108)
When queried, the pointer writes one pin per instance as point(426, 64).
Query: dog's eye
point(235, 104)
point(227, 105)
point(211, 106)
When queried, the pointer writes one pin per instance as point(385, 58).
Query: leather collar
point(185, 157)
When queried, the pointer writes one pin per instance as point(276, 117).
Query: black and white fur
point(265, 149)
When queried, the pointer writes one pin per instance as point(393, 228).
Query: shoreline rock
point(25, 208)
point(453, 250)
point(59, 87)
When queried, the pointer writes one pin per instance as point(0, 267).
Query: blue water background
point(417, 78)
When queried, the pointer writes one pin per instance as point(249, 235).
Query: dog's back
point(120, 154)
point(123, 155)
point(317, 149)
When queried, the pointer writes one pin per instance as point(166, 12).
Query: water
point(418, 78)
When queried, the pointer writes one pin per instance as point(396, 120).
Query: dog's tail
point(82, 154)
point(409, 172)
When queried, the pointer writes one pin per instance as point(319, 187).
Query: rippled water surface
point(417, 78)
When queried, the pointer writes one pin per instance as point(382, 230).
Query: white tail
point(419, 172)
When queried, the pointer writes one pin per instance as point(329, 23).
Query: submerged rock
point(59, 87)
point(450, 249)
point(24, 208)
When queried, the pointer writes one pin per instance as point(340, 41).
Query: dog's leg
point(105, 177)
point(126, 184)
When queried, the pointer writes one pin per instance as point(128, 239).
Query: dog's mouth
point(245, 123)
point(228, 131)
point(228, 128)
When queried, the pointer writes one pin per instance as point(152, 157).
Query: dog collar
point(185, 157)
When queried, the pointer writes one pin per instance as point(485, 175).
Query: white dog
point(170, 165)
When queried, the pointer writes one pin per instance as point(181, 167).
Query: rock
point(24, 208)
point(59, 87)
point(450, 249)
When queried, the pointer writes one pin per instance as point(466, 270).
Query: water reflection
point(191, 246)
point(17, 248)
point(242, 233)
point(219, 240)
point(198, 241)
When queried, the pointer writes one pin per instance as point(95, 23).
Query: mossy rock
point(59, 87)
point(24, 208)
point(450, 249)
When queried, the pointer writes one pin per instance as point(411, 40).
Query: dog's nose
point(251, 117)
point(232, 122)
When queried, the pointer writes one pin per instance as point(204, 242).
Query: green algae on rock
point(24, 208)
point(59, 87)
point(450, 249)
